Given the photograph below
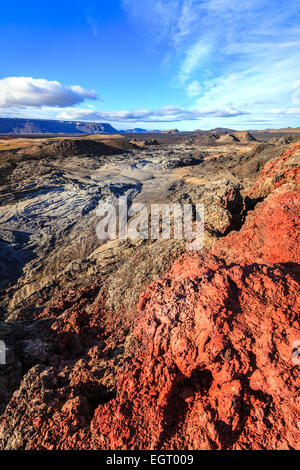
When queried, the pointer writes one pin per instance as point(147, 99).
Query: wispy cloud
point(193, 89)
point(91, 20)
point(285, 112)
point(159, 18)
point(196, 54)
point(228, 52)
point(164, 114)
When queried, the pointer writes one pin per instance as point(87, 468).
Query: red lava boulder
point(270, 233)
point(213, 368)
point(285, 169)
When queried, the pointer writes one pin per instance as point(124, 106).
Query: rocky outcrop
point(222, 203)
point(242, 136)
point(270, 234)
point(285, 169)
point(171, 131)
point(285, 140)
point(208, 367)
point(63, 365)
point(143, 143)
point(245, 136)
point(227, 138)
point(206, 138)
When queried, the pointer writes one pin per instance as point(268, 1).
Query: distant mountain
point(47, 126)
point(137, 130)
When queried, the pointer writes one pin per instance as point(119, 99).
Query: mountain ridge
point(53, 126)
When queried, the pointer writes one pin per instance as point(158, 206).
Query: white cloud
point(20, 92)
point(164, 114)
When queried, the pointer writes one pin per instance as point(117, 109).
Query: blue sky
point(155, 64)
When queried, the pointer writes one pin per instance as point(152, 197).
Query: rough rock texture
point(285, 140)
point(205, 138)
point(146, 261)
point(270, 234)
point(244, 136)
point(202, 362)
point(286, 169)
point(227, 138)
point(68, 368)
point(222, 202)
point(214, 365)
point(214, 368)
point(48, 216)
point(70, 147)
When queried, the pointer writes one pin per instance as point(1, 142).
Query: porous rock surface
point(278, 172)
point(270, 234)
point(214, 365)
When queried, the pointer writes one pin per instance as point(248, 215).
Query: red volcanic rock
point(210, 368)
point(269, 235)
point(213, 369)
point(285, 169)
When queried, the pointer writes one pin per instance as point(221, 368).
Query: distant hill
point(228, 138)
point(217, 131)
point(221, 130)
point(47, 126)
point(171, 131)
point(138, 130)
point(69, 147)
point(244, 136)
point(289, 130)
point(239, 136)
